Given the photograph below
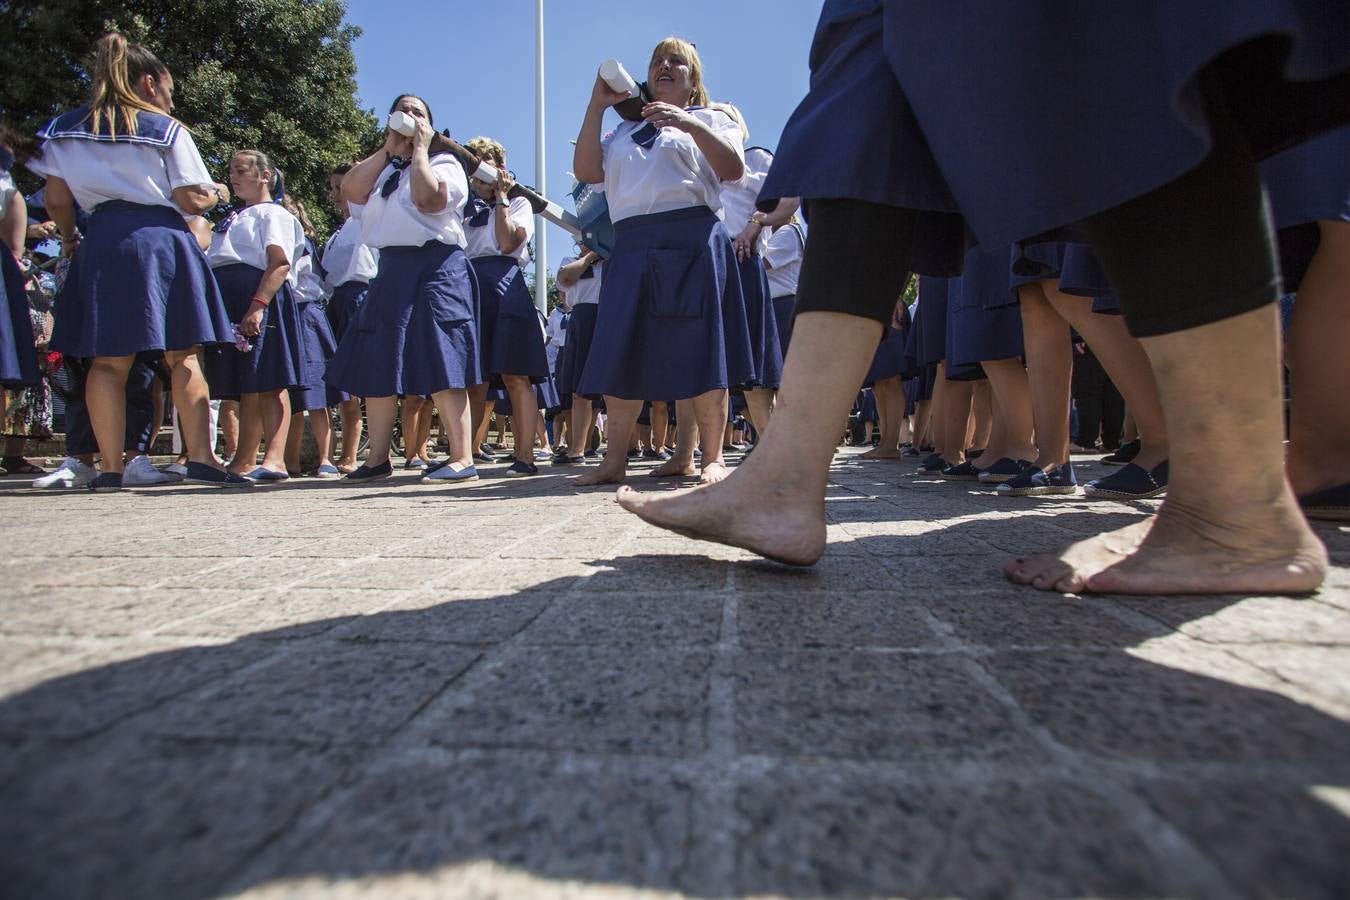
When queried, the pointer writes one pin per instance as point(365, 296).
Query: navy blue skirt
point(316, 333)
point(981, 322)
point(1307, 184)
point(139, 281)
point(18, 354)
point(672, 320)
point(889, 359)
point(343, 305)
point(866, 405)
point(760, 316)
point(577, 348)
point(1087, 105)
point(930, 321)
point(277, 360)
point(509, 335)
point(782, 313)
point(415, 332)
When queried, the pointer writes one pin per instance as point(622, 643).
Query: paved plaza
point(516, 689)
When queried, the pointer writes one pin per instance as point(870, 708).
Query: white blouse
point(346, 259)
point(673, 174)
point(253, 230)
point(783, 259)
point(482, 240)
point(586, 290)
point(98, 171)
point(395, 221)
point(739, 196)
point(308, 285)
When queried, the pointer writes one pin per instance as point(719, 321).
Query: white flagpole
point(540, 225)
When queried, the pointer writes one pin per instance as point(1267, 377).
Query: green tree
point(273, 75)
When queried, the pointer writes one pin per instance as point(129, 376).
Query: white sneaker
point(140, 472)
point(70, 474)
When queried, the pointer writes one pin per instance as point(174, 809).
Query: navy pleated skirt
point(139, 281)
point(343, 305)
point(866, 404)
point(509, 335)
point(1026, 117)
point(930, 321)
point(577, 348)
point(982, 322)
point(1307, 184)
point(18, 355)
point(415, 331)
point(782, 312)
point(277, 360)
point(760, 315)
point(889, 359)
point(316, 334)
point(672, 319)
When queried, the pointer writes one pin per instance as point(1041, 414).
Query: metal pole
point(540, 224)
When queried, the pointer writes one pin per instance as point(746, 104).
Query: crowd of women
point(1158, 255)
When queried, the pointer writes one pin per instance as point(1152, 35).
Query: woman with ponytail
point(254, 251)
point(138, 282)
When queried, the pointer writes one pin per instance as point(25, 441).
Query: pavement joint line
point(1187, 869)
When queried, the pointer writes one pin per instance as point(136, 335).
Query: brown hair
point(698, 96)
point(118, 67)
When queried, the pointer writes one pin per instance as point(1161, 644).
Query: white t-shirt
point(346, 259)
point(586, 290)
point(555, 336)
point(482, 241)
point(308, 285)
point(783, 260)
point(395, 221)
point(739, 196)
point(253, 230)
point(673, 174)
point(98, 171)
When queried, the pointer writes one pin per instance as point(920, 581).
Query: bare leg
point(660, 424)
point(981, 416)
point(229, 427)
point(295, 437)
point(922, 419)
point(621, 416)
point(322, 426)
point(454, 409)
point(1012, 435)
point(193, 402)
point(276, 421)
point(681, 464)
point(1241, 533)
point(710, 410)
point(1049, 367)
point(105, 394)
point(350, 410)
point(580, 431)
point(478, 409)
point(250, 434)
point(774, 503)
point(423, 436)
point(380, 414)
point(953, 426)
point(1319, 367)
point(524, 415)
point(411, 415)
point(758, 407)
point(890, 396)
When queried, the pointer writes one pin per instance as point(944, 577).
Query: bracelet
point(261, 302)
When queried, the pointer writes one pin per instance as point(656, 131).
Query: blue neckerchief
point(152, 129)
point(477, 211)
point(224, 224)
point(590, 271)
point(645, 137)
point(391, 183)
point(313, 251)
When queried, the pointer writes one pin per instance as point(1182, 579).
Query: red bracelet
point(261, 302)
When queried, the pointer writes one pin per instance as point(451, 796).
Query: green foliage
point(272, 75)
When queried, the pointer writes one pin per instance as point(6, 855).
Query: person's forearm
point(726, 163)
point(274, 276)
point(571, 273)
point(426, 190)
point(509, 236)
point(588, 162)
point(360, 178)
point(782, 213)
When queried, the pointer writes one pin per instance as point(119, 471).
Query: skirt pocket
point(673, 282)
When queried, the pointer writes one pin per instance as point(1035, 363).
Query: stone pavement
point(515, 689)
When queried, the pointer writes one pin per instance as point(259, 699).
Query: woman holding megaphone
point(415, 334)
point(671, 321)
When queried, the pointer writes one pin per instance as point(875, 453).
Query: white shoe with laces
point(140, 472)
point(70, 474)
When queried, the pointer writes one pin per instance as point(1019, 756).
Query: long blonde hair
point(698, 95)
point(118, 66)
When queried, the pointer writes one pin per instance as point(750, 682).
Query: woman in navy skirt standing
point(18, 358)
point(580, 279)
point(1144, 127)
point(138, 281)
point(415, 332)
point(253, 253)
point(671, 322)
point(498, 232)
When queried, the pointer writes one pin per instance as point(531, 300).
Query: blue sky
point(475, 65)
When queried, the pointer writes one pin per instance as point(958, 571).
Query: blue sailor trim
point(152, 129)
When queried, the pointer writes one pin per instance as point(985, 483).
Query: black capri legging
point(1194, 251)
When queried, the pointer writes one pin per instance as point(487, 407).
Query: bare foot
point(1188, 553)
point(765, 517)
point(605, 473)
point(674, 468)
point(880, 452)
point(1068, 570)
point(713, 472)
